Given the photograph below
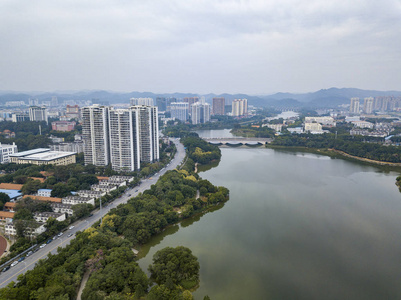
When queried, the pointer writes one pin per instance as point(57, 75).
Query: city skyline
point(253, 47)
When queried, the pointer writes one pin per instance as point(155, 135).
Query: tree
point(178, 264)
point(31, 187)
point(60, 190)
point(82, 210)
point(3, 199)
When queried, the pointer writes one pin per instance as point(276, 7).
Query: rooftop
point(43, 154)
point(11, 186)
point(11, 193)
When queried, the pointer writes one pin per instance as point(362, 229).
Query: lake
point(297, 226)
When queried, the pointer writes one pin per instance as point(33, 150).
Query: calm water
point(297, 226)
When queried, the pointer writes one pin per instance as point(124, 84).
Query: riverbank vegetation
point(360, 146)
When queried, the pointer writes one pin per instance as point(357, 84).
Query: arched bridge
point(238, 141)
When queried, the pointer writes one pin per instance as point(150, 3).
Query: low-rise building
point(62, 208)
point(42, 217)
point(363, 124)
point(45, 192)
point(91, 194)
point(104, 187)
point(10, 206)
point(74, 200)
point(13, 194)
point(276, 127)
point(32, 229)
point(44, 199)
point(63, 126)
point(43, 156)
point(328, 121)
point(4, 215)
point(315, 127)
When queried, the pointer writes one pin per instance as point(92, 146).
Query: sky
point(200, 46)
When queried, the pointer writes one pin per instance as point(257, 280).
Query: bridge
point(238, 141)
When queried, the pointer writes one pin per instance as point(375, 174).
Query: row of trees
point(366, 147)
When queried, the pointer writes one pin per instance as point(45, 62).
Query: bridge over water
point(238, 141)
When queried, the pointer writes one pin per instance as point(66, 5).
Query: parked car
point(71, 227)
point(6, 268)
point(42, 246)
point(71, 234)
point(21, 258)
point(29, 253)
point(60, 234)
point(49, 241)
point(14, 263)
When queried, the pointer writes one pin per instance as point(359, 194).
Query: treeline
point(365, 147)
point(201, 151)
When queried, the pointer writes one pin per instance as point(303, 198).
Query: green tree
point(3, 199)
point(60, 190)
point(178, 264)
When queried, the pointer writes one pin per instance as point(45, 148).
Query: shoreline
point(337, 153)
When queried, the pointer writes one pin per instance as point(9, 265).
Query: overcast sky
point(200, 46)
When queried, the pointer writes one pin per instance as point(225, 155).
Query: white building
point(148, 132)
point(141, 101)
point(354, 107)
point(179, 111)
point(62, 208)
point(6, 150)
point(74, 200)
point(37, 113)
point(124, 139)
point(276, 127)
point(363, 124)
point(368, 105)
point(95, 134)
point(44, 192)
point(239, 107)
point(200, 113)
point(329, 121)
point(313, 127)
point(42, 217)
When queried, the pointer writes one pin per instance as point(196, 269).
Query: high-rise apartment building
point(37, 113)
point(239, 107)
point(161, 103)
point(148, 127)
point(95, 134)
point(124, 139)
point(218, 106)
point(141, 101)
point(354, 107)
point(190, 101)
point(368, 105)
point(179, 110)
point(200, 113)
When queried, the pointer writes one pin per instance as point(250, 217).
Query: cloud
point(203, 46)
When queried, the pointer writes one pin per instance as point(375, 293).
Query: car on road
point(60, 234)
point(49, 241)
point(14, 263)
point(6, 268)
point(54, 237)
point(29, 253)
point(136, 190)
point(71, 227)
point(42, 246)
point(71, 234)
point(21, 258)
point(90, 215)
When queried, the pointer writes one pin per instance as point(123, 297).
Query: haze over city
point(255, 47)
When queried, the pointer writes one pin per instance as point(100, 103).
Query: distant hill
point(331, 97)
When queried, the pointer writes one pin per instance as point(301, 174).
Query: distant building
point(239, 107)
point(43, 156)
point(73, 112)
point(363, 124)
point(63, 126)
point(368, 105)
point(42, 217)
point(37, 113)
point(329, 121)
point(219, 106)
point(6, 150)
point(190, 101)
point(315, 127)
point(200, 113)
point(141, 101)
point(354, 106)
point(179, 111)
point(45, 192)
point(77, 146)
point(19, 117)
point(161, 103)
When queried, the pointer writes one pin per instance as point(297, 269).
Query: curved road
point(29, 262)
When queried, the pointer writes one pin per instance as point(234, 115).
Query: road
point(29, 262)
